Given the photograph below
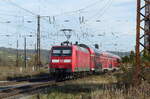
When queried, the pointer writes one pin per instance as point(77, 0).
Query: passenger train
point(75, 59)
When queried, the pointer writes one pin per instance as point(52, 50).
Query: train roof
point(97, 51)
point(93, 50)
point(111, 55)
point(105, 53)
point(88, 47)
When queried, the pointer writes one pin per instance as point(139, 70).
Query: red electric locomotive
point(69, 59)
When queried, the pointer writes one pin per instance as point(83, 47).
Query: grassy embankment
point(96, 87)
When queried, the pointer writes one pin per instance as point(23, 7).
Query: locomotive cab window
point(61, 51)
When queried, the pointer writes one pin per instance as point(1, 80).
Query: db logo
point(61, 61)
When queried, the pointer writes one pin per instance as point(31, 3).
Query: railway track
point(10, 92)
point(11, 83)
point(21, 81)
point(5, 93)
point(31, 87)
point(19, 86)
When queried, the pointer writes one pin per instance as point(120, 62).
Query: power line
point(67, 12)
point(91, 5)
point(47, 21)
point(79, 10)
point(3, 14)
point(101, 12)
point(18, 6)
point(75, 11)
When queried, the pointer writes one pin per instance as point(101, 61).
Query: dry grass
point(95, 87)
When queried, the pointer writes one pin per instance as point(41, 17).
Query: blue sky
point(115, 31)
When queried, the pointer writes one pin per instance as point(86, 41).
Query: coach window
point(110, 66)
point(118, 60)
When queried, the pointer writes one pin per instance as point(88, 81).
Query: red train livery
point(71, 59)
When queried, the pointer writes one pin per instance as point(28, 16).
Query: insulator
point(80, 20)
point(54, 19)
point(50, 20)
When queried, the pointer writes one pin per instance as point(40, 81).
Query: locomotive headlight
point(67, 60)
point(55, 61)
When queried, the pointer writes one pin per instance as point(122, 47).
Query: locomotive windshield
point(61, 51)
